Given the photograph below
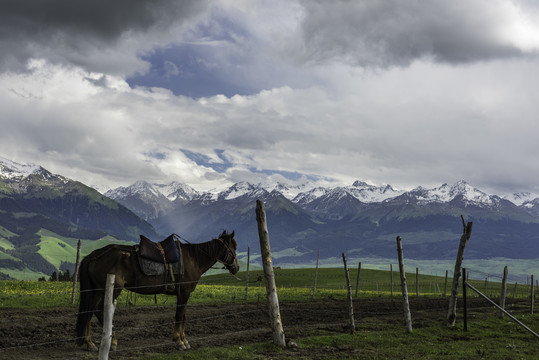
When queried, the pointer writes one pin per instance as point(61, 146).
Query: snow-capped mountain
point(12, 170)
point(50, 198)
point(521, 197)
point(242, 189)
point(142, 198)
point(307, 193)
point(176, 191)
point(21, 178)
point(447, 193)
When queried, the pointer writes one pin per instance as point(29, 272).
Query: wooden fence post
point(503, 294)
point(316, 273)
point(532, 295)
point(452, 312)
point(350, 303)
point(358, 275)
point(445, 284)
point(247, 275)
point(76, 275)
point(464, 300)
point(271, 290)
point(108, 314)
point(405, 303)
point(417, 281)
point(391, 278)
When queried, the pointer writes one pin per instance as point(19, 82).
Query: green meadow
point(489, 336)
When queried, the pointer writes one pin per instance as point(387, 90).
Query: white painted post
point(271, 290)
point(108, 313)
point(405, 303)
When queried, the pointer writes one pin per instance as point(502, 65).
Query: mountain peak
point(10, 169)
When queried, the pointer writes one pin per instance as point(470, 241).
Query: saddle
point(160, 258)
point(163, 252)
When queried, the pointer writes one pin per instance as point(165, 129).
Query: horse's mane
point(213, 247)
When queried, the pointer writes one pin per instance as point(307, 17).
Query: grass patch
point(490, 338)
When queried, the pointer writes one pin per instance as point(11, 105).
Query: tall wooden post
point(271, 290)
point(417, 281)
point(316, 273)
point(76, 275)
point(358, 275)
point(445, 284)
point(108, 313)
point(391, 278)
point(405, 303)
point(532, 297)
point(503, 294)
point(247, 275)
point(350, 302)
point(452, 312)
point(464, 300)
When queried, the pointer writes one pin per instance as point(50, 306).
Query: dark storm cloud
point(64, 31)
point(393, 32)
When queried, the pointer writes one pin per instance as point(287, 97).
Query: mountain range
point(361, 219)
point(42, 216)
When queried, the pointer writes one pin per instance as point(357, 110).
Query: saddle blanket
point(154, 268)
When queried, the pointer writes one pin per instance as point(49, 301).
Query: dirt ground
point(49, 334)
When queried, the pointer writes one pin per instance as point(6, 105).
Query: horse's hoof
point(91, 347)
point(181, 345)
point(187, 345)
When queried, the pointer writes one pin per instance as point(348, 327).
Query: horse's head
point(228, 256)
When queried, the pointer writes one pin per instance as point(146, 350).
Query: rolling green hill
point(50, 252)
point(42, 216)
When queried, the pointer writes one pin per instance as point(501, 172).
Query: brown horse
point(122, 261)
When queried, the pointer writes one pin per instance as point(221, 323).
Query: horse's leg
point(182, 329)
point(90, 346)
point(179, 326)
point(100, 315)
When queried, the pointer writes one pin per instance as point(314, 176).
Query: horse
point(122, 260)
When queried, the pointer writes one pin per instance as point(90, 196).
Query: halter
point(230, 255)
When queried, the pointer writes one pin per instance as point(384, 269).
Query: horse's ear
point(232, 235)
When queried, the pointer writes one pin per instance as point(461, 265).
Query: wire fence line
point(367, 287)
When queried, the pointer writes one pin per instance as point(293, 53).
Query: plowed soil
point(49, 333)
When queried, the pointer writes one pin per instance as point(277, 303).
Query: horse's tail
point(86, 302)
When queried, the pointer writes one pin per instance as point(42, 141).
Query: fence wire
point(329, 290)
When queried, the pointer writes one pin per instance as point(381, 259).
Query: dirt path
point(49, 334)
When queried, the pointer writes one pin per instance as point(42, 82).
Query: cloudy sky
point(214, 92)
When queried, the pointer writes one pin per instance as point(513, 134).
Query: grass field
point(292, 284)
point(490, 337)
